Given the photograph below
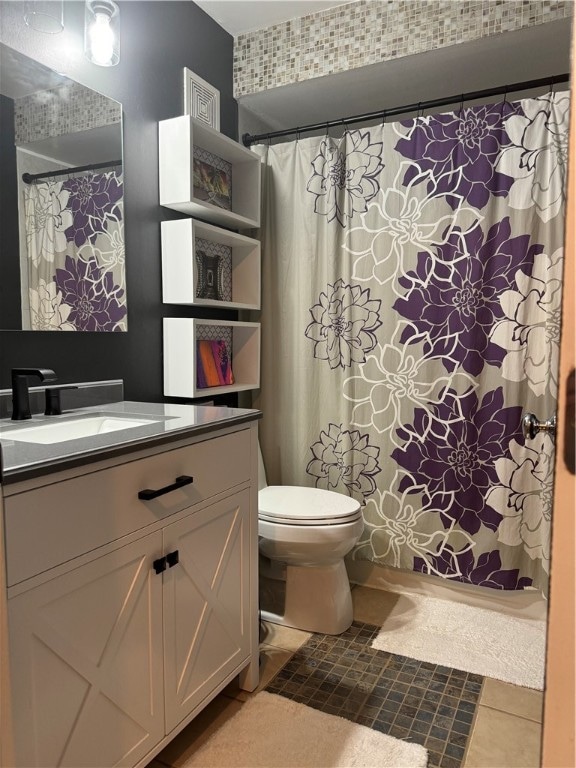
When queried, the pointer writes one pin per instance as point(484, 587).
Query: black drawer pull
point(147, 494)
point(159, 565)
point(173, 558)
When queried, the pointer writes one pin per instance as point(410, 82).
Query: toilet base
point(318, 599)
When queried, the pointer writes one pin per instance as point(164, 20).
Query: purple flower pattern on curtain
point(93, 199)
point(487, 571)
point(462, 467)
point(75, 241)
point(464, 307)
point(92, 295)
point(462, 147)
point(429, 314)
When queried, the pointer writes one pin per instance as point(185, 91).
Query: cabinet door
point(86, 662)
point(206, 603)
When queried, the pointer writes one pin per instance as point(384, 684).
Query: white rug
point(474, 640)
point(273, 732)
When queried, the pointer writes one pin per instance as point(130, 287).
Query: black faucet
point(20, 398)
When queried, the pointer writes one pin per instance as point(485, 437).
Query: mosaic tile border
point(67, 109)
point(369, 31)
point(425, 703)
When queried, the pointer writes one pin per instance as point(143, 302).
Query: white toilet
point(310, 531)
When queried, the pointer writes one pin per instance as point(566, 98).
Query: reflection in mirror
point(61, 204)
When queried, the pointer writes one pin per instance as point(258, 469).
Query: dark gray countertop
point(22, 460)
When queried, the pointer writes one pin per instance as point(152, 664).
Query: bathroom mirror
point(61, 202)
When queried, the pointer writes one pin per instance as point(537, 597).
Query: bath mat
point(273, 732)
point(462, 637)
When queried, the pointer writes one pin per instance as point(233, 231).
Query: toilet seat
point(295, 505)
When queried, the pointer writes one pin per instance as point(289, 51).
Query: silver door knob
point(531, 426)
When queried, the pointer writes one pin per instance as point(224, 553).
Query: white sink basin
point(74, 429)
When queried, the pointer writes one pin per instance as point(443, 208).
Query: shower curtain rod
point(503, 90)
point(30, 178)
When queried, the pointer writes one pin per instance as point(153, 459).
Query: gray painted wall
point(158, 39)
point(9, 268)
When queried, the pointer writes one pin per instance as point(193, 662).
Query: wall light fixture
point(102, 32)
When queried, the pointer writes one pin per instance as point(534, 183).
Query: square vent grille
point(201, 100)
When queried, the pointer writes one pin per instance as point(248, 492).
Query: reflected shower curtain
point(411, 314)
point(75, 253)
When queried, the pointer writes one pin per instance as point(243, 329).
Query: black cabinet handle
point(147, 494)
point(173, 558)
point(159, 565)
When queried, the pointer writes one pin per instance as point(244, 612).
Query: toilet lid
point(294, 505)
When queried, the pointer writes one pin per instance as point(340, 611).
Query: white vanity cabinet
point(146, 609)
point(206, 626)
point(86, 662)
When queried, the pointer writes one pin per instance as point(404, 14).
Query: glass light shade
point(45, 16)
point(102, 32)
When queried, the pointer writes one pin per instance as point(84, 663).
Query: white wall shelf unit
point(177, 139)
point(180, 269)
point(180, 349)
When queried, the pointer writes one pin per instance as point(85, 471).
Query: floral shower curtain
point(411, 314)
point(75, 248)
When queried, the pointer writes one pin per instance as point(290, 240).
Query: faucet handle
point(53, 403)
point(44, 374)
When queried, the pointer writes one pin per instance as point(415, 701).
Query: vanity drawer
point(102, 506)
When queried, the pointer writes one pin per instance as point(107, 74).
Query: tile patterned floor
point(505, 730)
point(425, 703)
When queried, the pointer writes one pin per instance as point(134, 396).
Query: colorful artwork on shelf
point(213, 366)
point(212, 179)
